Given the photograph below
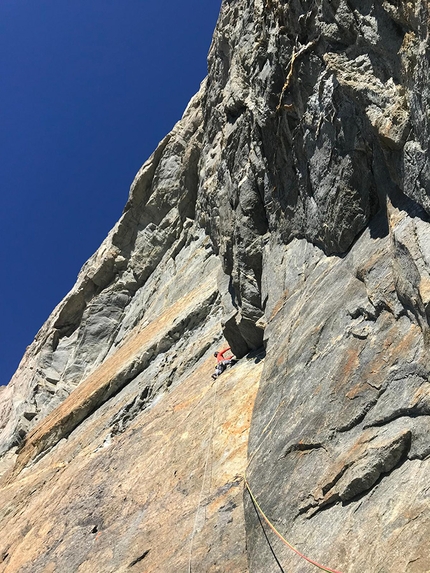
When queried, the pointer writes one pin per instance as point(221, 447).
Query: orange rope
point(273, 528)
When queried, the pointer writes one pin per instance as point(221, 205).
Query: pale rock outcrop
point(129, 280)
point(290, 206)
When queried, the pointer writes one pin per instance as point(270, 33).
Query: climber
point(222, 362)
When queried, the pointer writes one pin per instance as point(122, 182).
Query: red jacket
point(220, 356)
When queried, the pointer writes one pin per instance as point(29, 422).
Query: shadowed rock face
point(290, 207)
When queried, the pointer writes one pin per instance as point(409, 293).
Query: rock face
point(290, 206)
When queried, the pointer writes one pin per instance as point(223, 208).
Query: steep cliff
point(289, 208)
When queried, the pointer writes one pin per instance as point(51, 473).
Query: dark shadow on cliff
point(257, 355)
point(272, 551)
point(412, 208)
point(378, 225)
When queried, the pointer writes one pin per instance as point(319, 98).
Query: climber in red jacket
point(222, 362)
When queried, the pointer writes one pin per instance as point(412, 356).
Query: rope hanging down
point(273, 528)
point(205, 471)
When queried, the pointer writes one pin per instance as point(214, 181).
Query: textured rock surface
point(142, 490)
point(340, 432)
point(291, 205)
point(147, 262)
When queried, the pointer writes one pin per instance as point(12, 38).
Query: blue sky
point(88, 88)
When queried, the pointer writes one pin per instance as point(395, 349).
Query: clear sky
point(87, 90)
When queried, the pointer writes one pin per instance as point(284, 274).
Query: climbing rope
point(209, 450)
point(281, 537)
point(248, 488)
point(266, 432)
point(264, 516)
